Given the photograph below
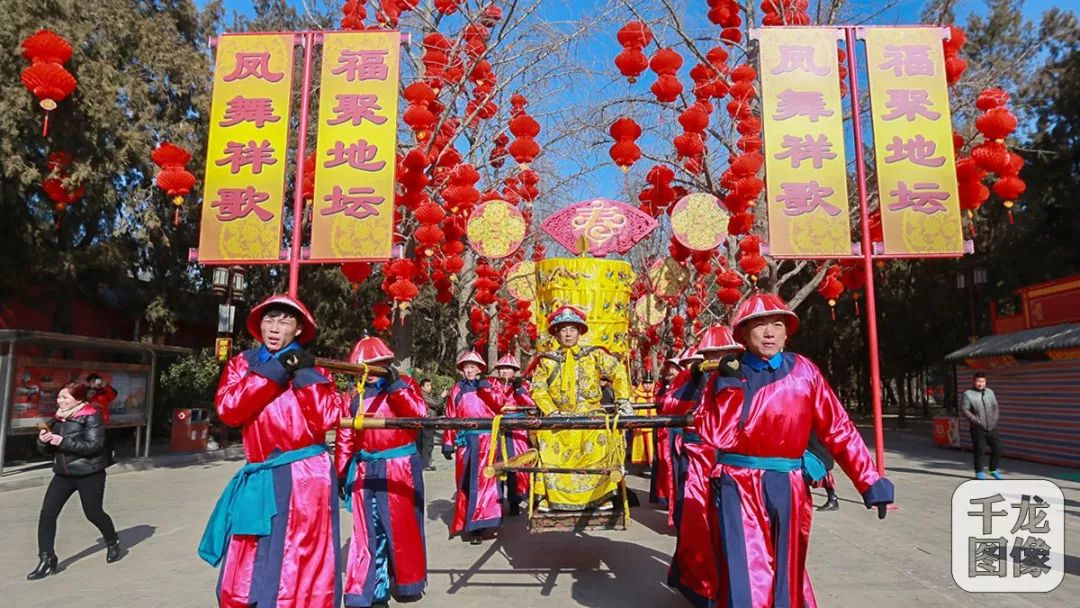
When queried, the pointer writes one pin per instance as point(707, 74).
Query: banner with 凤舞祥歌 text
point(913, 145)
point(353, 206)
point(803, 120)
point(247, 149)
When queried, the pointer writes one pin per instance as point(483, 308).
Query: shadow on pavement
point(603, 572)
point(441, 510)
point(129, 537)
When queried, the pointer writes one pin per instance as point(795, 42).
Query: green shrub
point(189, 382)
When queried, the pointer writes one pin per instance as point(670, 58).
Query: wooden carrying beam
point(344, 367)
point(548, 423)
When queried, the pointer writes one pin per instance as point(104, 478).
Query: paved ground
point(855, 560)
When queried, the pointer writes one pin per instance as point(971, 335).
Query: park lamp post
point(971, 278)
point(228, 283)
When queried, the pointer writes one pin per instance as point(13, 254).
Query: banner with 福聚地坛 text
point(913, 145)
point(247, 149)
point(353, 206)
point(803, 120)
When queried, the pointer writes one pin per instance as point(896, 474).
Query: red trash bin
point(190, 430)
point(946, 432)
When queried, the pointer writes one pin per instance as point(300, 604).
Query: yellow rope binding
point(495, 424)
point(358, 419)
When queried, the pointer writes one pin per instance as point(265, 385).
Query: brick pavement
point(854, 559)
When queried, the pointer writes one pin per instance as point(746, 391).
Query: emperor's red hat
point(508, 361)
point(764, 305)
point(307, 321)
point(567, 314)
point(718, 338)
point(370, 350)
point(471, 356)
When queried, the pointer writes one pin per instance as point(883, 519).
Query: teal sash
point(763, 463)
point(247, 504)
point(363, 455)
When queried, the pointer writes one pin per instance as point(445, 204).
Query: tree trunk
point(401, 340)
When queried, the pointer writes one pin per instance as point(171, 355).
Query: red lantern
point(356, 272)
point(667, 88)
point(694, 119)
point(997, 123)
point(635, 34)
point(44, 46)
point(752, 265)
point(631, 63)
point(992, 156)
point(51, 84)
point(954, 69)
point(174, 177)
point(991, 98)
point(740, 223)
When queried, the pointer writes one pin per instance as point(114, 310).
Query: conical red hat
point(673, 361)
point(471, 356)
point(718, 338)
point(764, 305)
point(688, 355)
point(508, 361)
point(254, 319)
point(370, 350)
point(567, 314)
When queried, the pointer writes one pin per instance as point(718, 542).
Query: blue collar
point(758, 364)
point(265, 354)
point(377, 386)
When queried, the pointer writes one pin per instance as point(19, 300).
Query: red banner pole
point(301, 153)
point(867, 252)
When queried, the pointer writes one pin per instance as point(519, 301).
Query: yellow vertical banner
point(913, 146)
point(353, 207)
point(803, 119)
point(247, 149)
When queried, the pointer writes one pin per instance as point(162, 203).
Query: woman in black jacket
point(77, 443)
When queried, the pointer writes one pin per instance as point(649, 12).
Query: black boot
point(113, 551)
point(832, 504)
point(476, 539)
point(45, 567)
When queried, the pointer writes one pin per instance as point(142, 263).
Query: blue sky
point(599, 51)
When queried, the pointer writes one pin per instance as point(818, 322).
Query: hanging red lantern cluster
point(750, 259)
point(418, 115)
point(436, 58)
point(658, 194)
point(991, 156)
point(412, 177)
point(853, 279)
point(708, 78)
point(46, 77)
point(497, 158)
point(398, 282)
point(694, 121)
point(488, 281)
point(390, 12)
point(428, 235)
point(831, 287)
point(174, 178)
point(625, 151)
point(784, 12)
point(841, 71)
point(729, 281)
point(702, 262)
point(631, 62)
point(955, 66)
point(356, 272)
point(725, 13)
point(525, 128)
point(679, 252)
point(527, 187)
point(307, 186)
point(1009, 186)
point(353, 15)
point(474, 37)
point(678, 332)
point(479, 324)
point(460, 195)
point(447, 7)
point(58, 164)
point(666, 63)
point(381, 321)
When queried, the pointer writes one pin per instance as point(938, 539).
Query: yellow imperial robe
point(641, 440)
point(566, 382)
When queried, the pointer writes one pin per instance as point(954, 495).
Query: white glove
point(624, 407)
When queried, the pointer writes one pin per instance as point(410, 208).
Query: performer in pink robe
point(693, 567)
point(516, 393)
point(679, 460)
point(275, 529)
point(759, 413)
point(476, 501)
point(383, 485)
